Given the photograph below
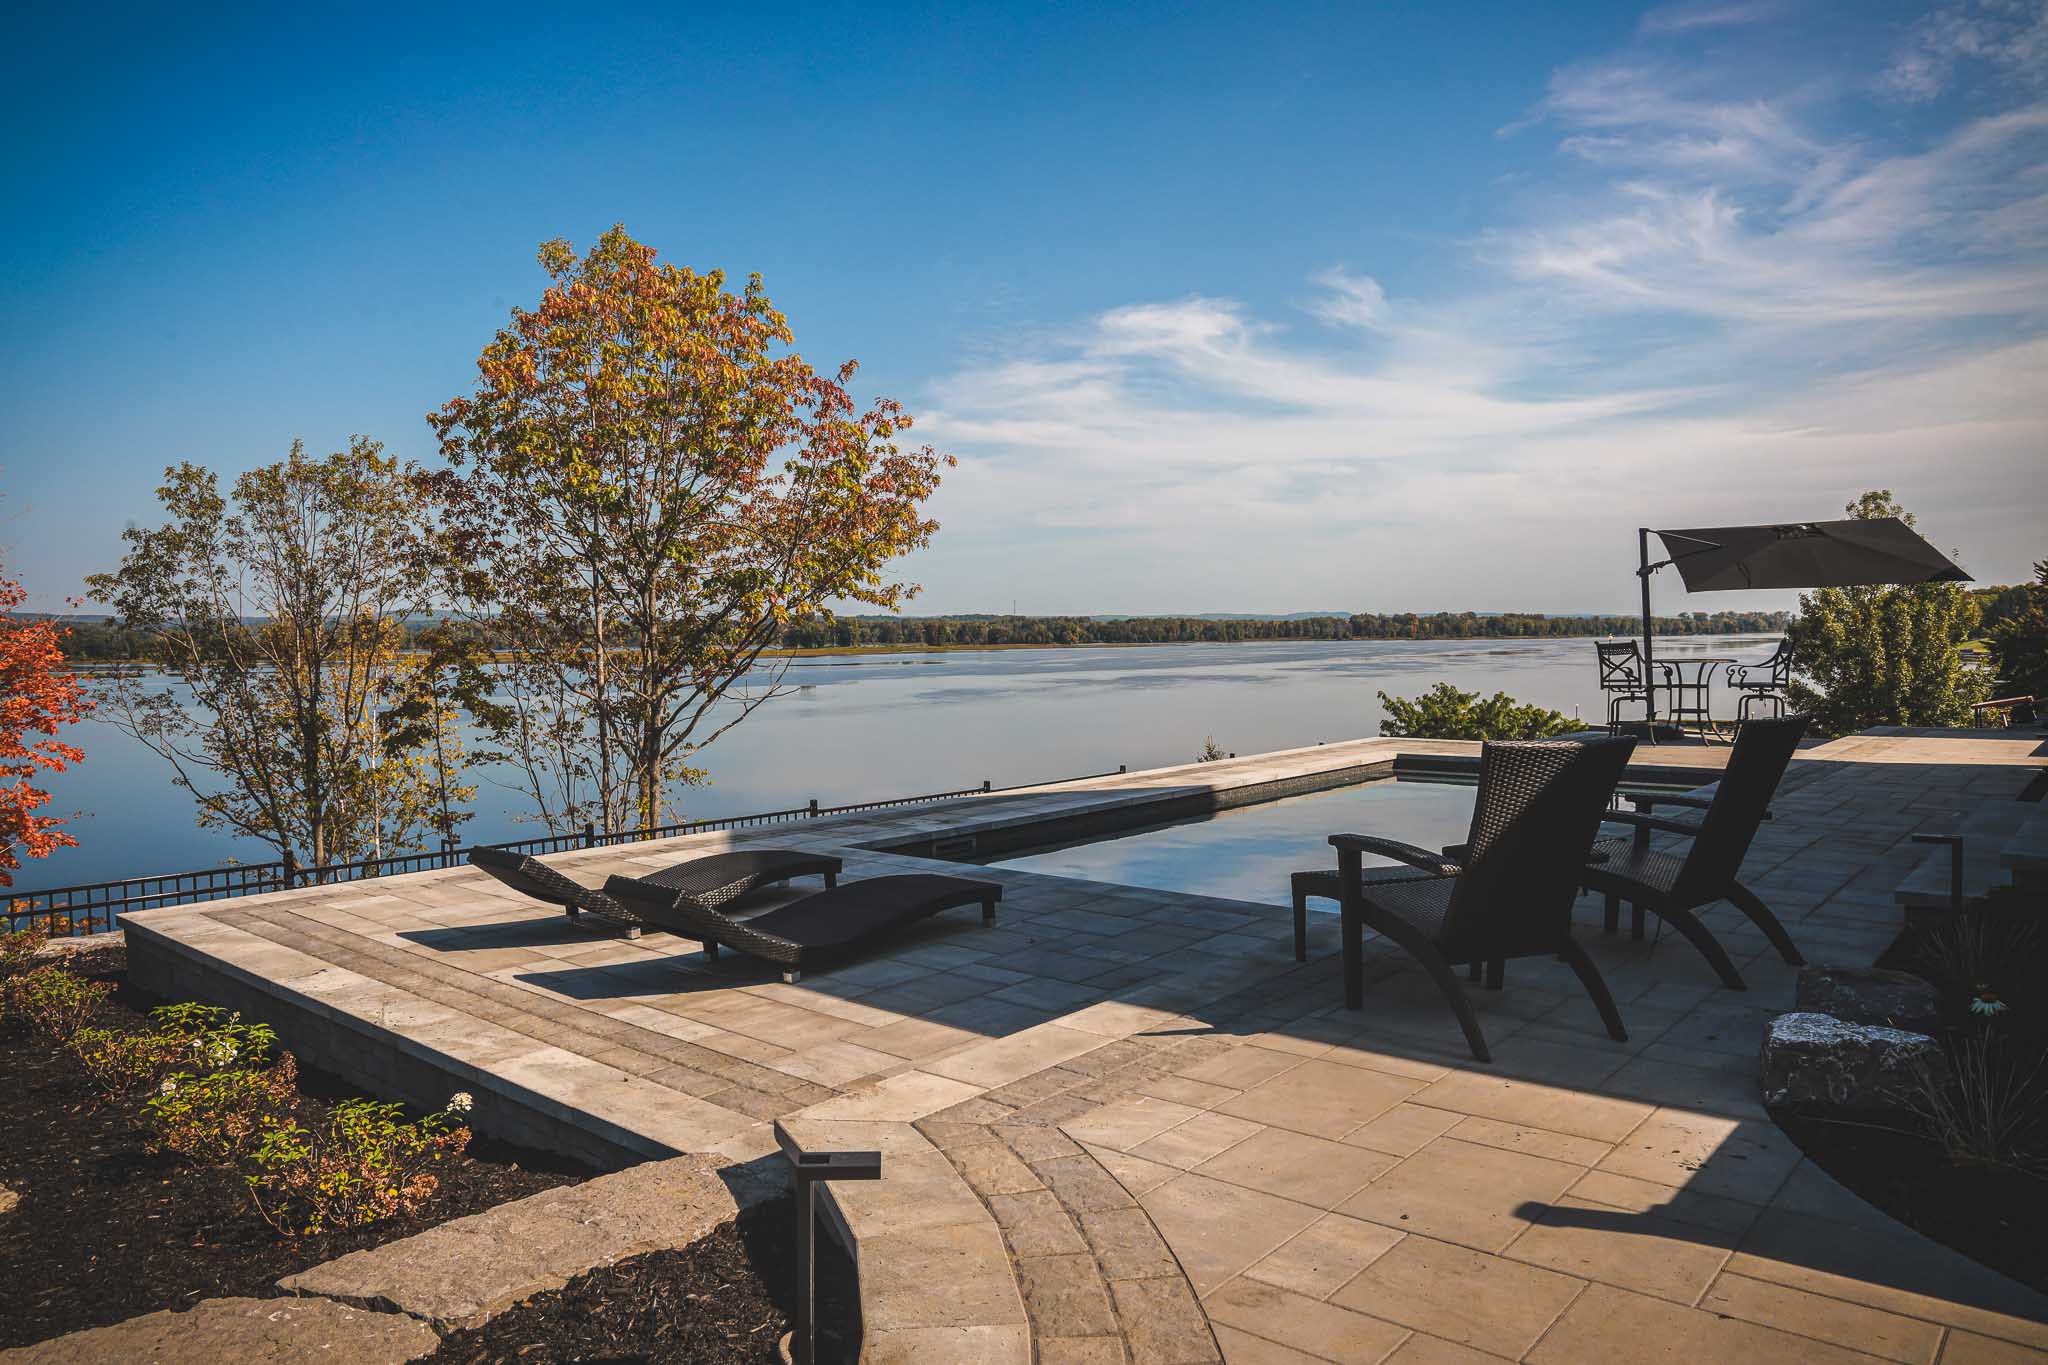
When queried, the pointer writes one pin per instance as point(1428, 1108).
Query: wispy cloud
point(1724, 294)
point(1699, 14)
point(2010, 37)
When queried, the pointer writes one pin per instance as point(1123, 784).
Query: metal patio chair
point(1510, 895)
point(1624, 679)
point(1762, 682)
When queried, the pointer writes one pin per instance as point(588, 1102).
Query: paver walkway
point(1126, 1125)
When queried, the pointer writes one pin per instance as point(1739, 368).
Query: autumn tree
point(646, 487)
point(38, 698)
point(1885, 655)
point(280, 607)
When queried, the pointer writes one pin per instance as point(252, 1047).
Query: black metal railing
point(95, 906)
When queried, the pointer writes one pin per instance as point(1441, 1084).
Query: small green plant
point(1444, 712)
point(18, 948)
point(363, 1164)
point(188, 1038)
point(1211, 750)
point(220, 1117)
point(1976, 948)
point(1991, 1110)
point(52, 1000)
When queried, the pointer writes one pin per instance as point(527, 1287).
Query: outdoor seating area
point(1154, 1126)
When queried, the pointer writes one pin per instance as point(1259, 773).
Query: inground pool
point(1246, 854)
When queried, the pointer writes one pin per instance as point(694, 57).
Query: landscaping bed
point(725, 1298)
point(1967, 1164)
point(105, 1230)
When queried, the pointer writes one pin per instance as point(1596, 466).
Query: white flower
point(167, 1088)
point(1987, 1005)
point(461, 1102)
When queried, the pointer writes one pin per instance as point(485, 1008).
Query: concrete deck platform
point(1125, 1125)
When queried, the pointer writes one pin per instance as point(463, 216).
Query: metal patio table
point(1692, 699)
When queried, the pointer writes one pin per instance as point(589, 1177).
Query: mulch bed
point(726, 1298)
point(1993, 1215)
point(105, 1231)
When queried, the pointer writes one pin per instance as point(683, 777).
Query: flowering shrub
point(221, 1117)
point(52, 1000)
point(195, 1039)
point(362, 1165)
point(187, 1038)
point(126, 1061)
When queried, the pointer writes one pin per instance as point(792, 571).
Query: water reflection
point(884, 725)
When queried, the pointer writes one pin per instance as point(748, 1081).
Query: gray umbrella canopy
point(1803, 554)
point(1808, 554)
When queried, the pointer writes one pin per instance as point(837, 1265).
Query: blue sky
point(1222, 307)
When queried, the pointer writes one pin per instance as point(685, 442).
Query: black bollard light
point(809, 1168)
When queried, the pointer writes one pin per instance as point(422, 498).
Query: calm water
point(870, 726)
point(1246, 854)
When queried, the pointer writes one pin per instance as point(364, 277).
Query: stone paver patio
point(1125, 1125)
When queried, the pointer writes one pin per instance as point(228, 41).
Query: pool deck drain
point(1125, 1124)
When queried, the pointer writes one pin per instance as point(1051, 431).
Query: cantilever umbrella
point(1804, 554)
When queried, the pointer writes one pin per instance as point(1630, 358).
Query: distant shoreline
point(826, 650)
point(90, 667)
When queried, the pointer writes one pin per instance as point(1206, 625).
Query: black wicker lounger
point(712, 880)
point(796, 935)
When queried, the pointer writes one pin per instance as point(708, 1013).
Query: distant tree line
point(845, 631)
point(100, 640)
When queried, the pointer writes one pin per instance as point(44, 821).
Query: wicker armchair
point(1533, 825)
point(1674, 885)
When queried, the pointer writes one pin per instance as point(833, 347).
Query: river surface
point(867, 726)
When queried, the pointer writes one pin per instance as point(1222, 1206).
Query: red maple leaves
point(38, 697)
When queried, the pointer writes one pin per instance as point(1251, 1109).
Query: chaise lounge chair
point(1676, 884)
point(712, 880)
point(1533, 825)
point(796, 935)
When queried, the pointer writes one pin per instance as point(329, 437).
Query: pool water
point(1247, 854)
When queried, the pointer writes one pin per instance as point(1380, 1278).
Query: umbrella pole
point(1649, 669)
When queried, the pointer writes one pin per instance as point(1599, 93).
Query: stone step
point(2027, 849)
point(1985, 833)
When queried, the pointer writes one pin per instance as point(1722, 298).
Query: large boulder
point(1871, 995)
point(1819, 1061)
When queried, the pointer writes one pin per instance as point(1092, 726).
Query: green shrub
point(127, 1061)
point(1884, 655)
point(53, 1001)
point(18, 949)
point(363, 1164)
point(2019, 642)
point(1444, 712)
point(1992, 1109)
point(220, 1117)
point(194, 1039)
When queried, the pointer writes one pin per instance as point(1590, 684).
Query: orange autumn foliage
point(38, 697)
